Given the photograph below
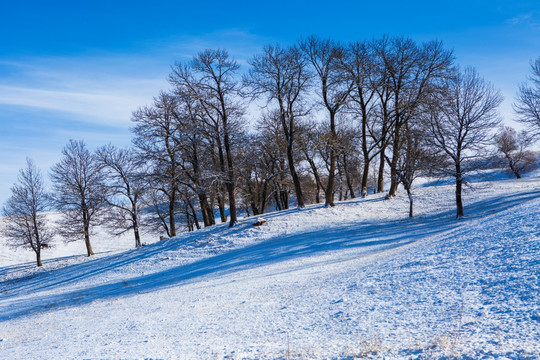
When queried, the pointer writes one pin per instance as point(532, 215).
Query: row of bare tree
point(316, 120)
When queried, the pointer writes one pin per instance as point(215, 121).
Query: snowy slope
point(360, 279)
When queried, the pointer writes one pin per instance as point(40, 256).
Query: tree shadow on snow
point(20, 298)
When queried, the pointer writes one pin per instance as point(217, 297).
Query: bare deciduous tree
point(79, 192)
point(461, 123)
point(411, 71)
point(416, 158)
point(194, 147)
point(360, 65)
point(527, 105)
point(26, 224)
point(335, 88)
point(513, 146)
point(155, 131)
point(311, 143)
point(126, 188)
point(210, 78)
point(281, 75)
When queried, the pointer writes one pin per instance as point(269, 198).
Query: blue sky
point(77, 69)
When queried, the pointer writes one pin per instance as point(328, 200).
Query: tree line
point(313, 122)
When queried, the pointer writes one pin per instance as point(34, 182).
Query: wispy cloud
point(44, 101)
point(106, 88)
point(531, 20)
point(98, 108)
point(91, 91)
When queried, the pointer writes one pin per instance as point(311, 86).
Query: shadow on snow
point(22, 298)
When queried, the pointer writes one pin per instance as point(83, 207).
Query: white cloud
point(98, 107)
point(98, 92)
point(107, 88)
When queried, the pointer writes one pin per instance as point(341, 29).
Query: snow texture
point(359, 280)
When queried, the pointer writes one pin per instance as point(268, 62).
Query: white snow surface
point(359, 280)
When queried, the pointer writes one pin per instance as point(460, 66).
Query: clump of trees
point(331, 117)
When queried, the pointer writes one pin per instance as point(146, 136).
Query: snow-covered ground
point(357, 280)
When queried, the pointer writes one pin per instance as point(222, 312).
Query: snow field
point(360, 279)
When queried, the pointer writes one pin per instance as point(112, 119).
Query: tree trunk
point(284, 195)
point(135, 222)
point(514, 170)
point(193, 214)
point(277, 198)
point(38, 256)
point(137, 237)
point(459, 201)
point(206, 210)
point(318, 181)
point(87, 241)
point(394, 178)
point(380, 178)
point(189, 223)
point(263, 198)
point(409, 194)
point(232, 204)
point(296, 180)
point(172, 220)
point(365, 176)
point(288, 131)
point(329, 194)
point(230, 173)
point(86, 225)
point(254, 209)
point(348, 177)
point(221, 207)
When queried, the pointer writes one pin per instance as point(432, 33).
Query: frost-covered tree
point(460, 122)
point(79, 192)
point(513, 146)
point(25, 223)
point(527, 105)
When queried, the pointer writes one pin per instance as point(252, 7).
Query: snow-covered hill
point(356, 280)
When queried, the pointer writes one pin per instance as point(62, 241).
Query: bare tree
point(335, 88)
point(311, 143)
point(281, 75)
point(79, 192)
point(26, 224)
point(349, 159)
point(210, 78)
point(513, 146)
point(461, 122)
point(126, 188)
point(194, 147)
point(155, 131)
point(527, 105)
point(416, 158)
point(411, 72)
point(360, 64)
